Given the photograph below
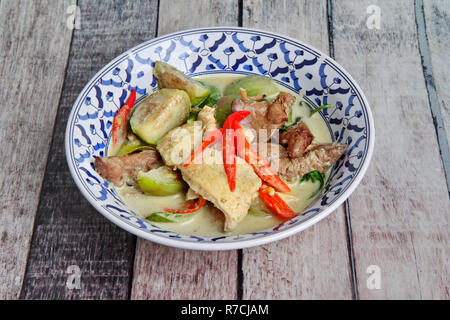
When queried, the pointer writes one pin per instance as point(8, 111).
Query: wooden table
point(390, 240)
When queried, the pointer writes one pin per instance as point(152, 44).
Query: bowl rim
point(237, 244)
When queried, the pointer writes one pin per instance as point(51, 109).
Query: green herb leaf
point(314, 176)
point(321, 108)
point(194, 114)
point(169, 217)
point(213, 97)
point(192, 117)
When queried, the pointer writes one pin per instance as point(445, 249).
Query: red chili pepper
point(260, 165)
point(119, 127)
point(210, 138)
point(190, 206)
point(229, 159)
point(275, 203)
point(237, 116)
point(229, 148)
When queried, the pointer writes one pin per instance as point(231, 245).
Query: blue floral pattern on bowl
point(291, 63)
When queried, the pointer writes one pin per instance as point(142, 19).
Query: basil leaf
point(314, 176)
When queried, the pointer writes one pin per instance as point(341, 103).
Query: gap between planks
point(400, 209)
point(68, 230)
point(433, 99)
point(188, 274)
point(27, 66)
point(313, 264)
point(348, 223)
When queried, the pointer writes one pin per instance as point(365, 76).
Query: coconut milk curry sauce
point(209, 221)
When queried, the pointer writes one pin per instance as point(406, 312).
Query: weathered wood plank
point(34, 47)
point(169, 273)
point(68, 231)
point(315, 263)
point(400, 212)
point(162, 272)
point(437, 24)
point(179, 15)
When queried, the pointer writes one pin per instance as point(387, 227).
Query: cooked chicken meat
point(177, 145)
point(296, 138)
point(206, 116)
point(320, 157)
point(124, 169)
point(264, 115)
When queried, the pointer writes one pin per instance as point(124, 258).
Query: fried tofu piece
point(207, 177)
point(209, 180)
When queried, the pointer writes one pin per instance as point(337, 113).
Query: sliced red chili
point(210, 139)
point(190, 206)
point(237, 116)
point(275, 203)
point(229, 148)
point(229, 159)
point(119, 127)
point(260, 165)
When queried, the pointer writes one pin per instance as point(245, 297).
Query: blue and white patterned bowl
point(293, 64)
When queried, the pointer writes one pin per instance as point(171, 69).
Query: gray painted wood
point(34, 47)
point(68, 231)
point(169, 273)
point(315, 263)
point(162, 273)
point(400, 212)
point(437, 19)
point(434, 36)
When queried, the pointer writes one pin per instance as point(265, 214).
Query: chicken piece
point(266, 116)
point(272, 152)
point(209, 180)
point(296, 138)
point(178, 144)
point(206, 116)
point(124, 169)
point(320, 157)
point(280, 108)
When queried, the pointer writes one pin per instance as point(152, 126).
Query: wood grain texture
point(313, 264)
point(68, 231)
point(162, 273)
point(169, 273)
point(437, 18)
point(176, 15)
point(34, 47)
point(400, 212)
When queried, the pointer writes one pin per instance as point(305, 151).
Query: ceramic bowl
point(293, 64)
